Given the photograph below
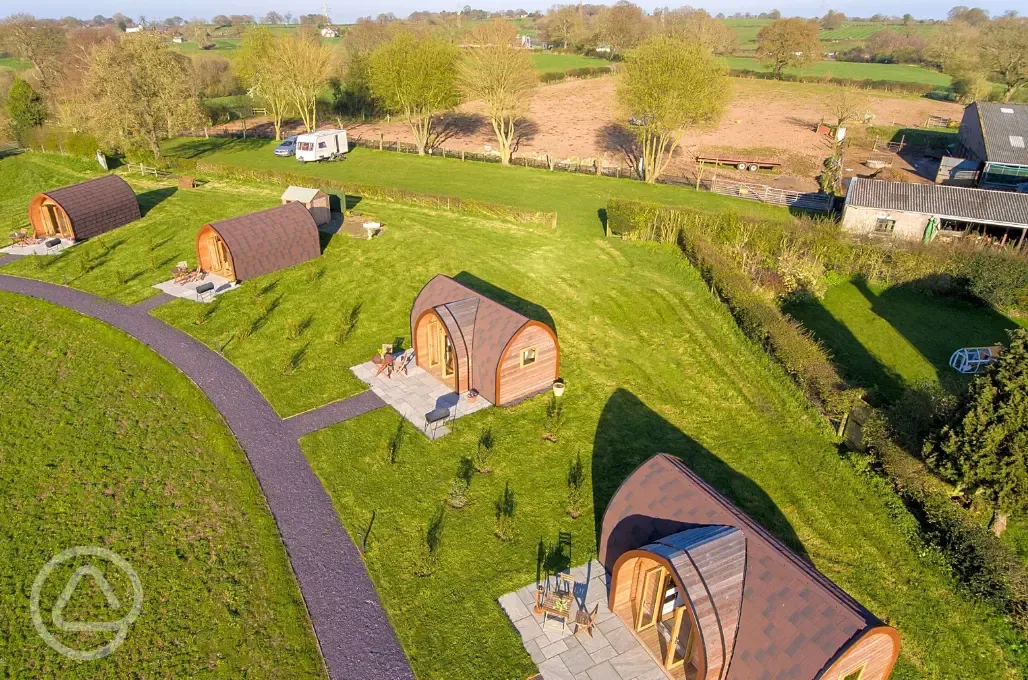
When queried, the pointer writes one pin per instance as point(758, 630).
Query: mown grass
point(546, 62)
point(842, 69)
point(888, 339)
point(15, 64)
point(104, 444)
point(652, 362)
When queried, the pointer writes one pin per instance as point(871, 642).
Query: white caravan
point(321, 145)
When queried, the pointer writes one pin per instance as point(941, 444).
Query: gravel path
point(330, 414)
point(356, 638)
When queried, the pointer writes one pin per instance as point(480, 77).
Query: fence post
point(381, 138)
point(462, 154)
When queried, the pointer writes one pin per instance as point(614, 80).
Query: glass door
point(649, 597)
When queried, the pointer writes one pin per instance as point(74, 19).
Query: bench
point(204, 291)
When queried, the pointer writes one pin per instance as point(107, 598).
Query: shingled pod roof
point(93, 207)
point(795, 624)
point(269, 240)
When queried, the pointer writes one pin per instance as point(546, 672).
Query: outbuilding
point(714, 596)
point(316, 201)
point(469, 341)
point(252, 245)
point(921, 211)
point(995, 136)
point(84, 210)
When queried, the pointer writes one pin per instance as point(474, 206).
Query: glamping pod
point(467, 340)
point(249, 246)
point(713, 596)
point(84, 210)
point(315, 200)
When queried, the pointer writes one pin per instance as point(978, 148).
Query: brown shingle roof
point(269, 240)
point(486, 329)
point(97, 205)
point(794, 619)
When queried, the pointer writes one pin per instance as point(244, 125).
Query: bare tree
point(845, 104)
point(261, 68)
point(309, 63)
point(501, 75)
point(622, 27)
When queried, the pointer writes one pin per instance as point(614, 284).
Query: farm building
point(84, 210)
point(687, 566)
point(316, 201)
point(468, 341)
point(252, 245)
point(329, 32)
point(920, 211)
point(994, 136)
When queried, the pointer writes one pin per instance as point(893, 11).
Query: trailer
point(739, 163)
point(323, 145)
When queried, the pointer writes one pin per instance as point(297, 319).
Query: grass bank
point(105, 444)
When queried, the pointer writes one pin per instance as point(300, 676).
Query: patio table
point(384, 363)
point(556, 605)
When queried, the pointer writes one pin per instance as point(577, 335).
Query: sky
point(342, 12)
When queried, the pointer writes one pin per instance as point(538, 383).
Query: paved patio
point(187, 291)
point(416, 393)
point(612, 653)
point(38, 248)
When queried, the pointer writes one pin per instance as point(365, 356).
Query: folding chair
point(403, 362)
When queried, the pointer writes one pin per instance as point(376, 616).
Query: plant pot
point(472, 396)
point(558, 388)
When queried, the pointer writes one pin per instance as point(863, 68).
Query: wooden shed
point(467, 340)
point(84, 210)
point(714, 596)
point(316, 201)
point(251, 245)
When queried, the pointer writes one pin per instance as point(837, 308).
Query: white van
point(321, 145)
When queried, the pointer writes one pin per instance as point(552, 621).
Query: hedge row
point(574, 73)
point(48, 138)
point(757, 314)
point(865, 83)
point(374, 192)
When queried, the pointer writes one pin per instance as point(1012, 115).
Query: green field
point(14, 63)
point(652, 362)
point(547, 62)
point(104, 444)
point(889, 339)
point(852, 33)
point(844, 69)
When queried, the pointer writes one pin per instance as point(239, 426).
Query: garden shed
point(469, 341)
point(252, 245)
point(84, 210)
point(714, 596)
point(316, 201)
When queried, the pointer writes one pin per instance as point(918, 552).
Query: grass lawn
point(652, 363)
point(546, 62)
point(105, 444)
point(14, 63)
point(843, 69)
point(886, 339)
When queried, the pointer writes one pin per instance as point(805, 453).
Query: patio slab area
point(415, 394)
point(38, 248)
point(187, 291)
point(612, 653)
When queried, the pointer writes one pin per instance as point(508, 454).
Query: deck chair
point(401, 364)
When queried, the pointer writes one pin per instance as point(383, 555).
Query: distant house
point(329, 32)
point(178, 40)
point(713, 596)
point(920, 211)
point(133, 29)
point(995, 136)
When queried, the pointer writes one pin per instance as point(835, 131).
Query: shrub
point(866, 83)
point(428, 553)
point(506, 505)
point(348, 323)
point(554, 419)
point(483, 453)
point(575, 481)
point(395, 445)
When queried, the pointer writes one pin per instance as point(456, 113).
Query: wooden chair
point(585, 620)
point(403, 362)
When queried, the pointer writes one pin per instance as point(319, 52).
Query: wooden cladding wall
point(517, 382)
point(875, 654)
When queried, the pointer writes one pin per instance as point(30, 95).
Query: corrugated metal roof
point(1003, 126)
point(300, 194)
point(973, 205)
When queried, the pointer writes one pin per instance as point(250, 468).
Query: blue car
point(287, 147)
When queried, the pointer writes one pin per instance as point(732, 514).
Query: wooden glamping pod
point(249, 246)
point(468, 341)
point(316, 201)
point(713, 596)
point(84, 210)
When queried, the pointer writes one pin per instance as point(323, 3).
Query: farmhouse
point(920, 211)
point(329, 32)
point(252, 245)
point(316, 201)
point(468, 341)
point(994, 135)
point(84, 210)
point(714, 596)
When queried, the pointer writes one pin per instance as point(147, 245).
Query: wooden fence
point(765, 194)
